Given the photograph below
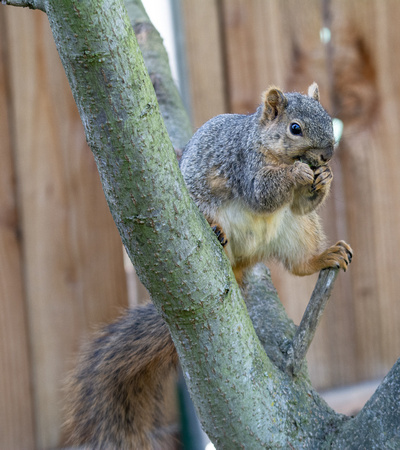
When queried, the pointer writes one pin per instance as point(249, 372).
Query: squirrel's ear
point(313, 91)
point(274, 102)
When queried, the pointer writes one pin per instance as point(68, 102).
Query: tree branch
point(155, 57)
point(377, 425)
point(273, 327)
point(311, 318)
point(32, 4)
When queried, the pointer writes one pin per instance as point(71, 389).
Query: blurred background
point(62, 267)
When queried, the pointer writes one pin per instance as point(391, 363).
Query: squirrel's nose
point(326, 154)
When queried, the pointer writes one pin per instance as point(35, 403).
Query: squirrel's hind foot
point(339, 256)
point(220, 234)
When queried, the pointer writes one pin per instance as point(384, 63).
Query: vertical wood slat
point(73, 264)
point(278, 42)
point(367, 81)
point(256, 54)
point(204, 59)
point(16, 405)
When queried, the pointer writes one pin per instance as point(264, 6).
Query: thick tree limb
point(273, 327)
point(378, 424)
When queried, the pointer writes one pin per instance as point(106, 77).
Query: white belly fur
point(252, 235)
point(261, 237)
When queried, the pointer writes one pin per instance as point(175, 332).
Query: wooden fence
point(61, 263)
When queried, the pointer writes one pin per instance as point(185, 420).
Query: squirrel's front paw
point(302, 173)
point(322, 178)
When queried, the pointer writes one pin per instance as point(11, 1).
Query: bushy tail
point(115, 396)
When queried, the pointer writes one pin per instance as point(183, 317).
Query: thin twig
point(309, 323)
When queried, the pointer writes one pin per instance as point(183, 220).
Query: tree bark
point(155, 57)
point(243, 397)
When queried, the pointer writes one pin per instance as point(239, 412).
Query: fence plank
point(204, 59)
point(73, 262)
point(16, 419)
point(368, 91)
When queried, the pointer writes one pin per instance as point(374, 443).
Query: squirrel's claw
point(348, 249)
point(339, 255)
point(220, 235)
point(322, 177)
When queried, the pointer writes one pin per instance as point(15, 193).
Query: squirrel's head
point(295, 127)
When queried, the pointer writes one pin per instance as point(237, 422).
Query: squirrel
point(258, 180)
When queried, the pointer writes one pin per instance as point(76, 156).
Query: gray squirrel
point(258, 179)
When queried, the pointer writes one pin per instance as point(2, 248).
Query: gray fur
point(242, 150)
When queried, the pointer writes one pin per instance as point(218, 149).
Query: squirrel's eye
point(295, 129)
